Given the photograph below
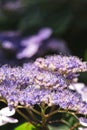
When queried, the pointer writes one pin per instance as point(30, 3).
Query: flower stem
point(44, 118)
point(23, 115)
point(61, 111)
point(26, 118)
point(74, 127)
point(35, 111)
point(32, 115)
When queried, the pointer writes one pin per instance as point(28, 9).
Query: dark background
point(67, 18)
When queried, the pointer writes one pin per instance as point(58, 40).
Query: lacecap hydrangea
point(46, 80)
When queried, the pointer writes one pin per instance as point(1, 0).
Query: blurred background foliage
point(67, 18)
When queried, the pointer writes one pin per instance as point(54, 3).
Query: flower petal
point(8, 119)
point(83, 121)
point(80, 128)
point(7, 112)
point(2, 122)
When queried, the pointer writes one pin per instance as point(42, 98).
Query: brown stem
point(26, 118)
point(44, 128)
point(23, 115)
point(35, 111)
point(61, 120)
point(75, 126)
point(61, 111)
point(51, 110)
point(33, 116)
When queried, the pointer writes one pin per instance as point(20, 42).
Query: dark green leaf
point(62, 127)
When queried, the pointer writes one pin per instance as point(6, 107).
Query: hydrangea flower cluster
point(46, 80)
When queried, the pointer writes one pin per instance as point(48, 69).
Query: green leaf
point(26, 126)
point(62, 127)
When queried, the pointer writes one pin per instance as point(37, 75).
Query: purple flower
point(46, 80)
point(33, 43)
point(62, 64)
point(5, 114)
point(81, 89)
point(83, 121)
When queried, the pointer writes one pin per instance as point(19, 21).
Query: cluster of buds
point(47, 81)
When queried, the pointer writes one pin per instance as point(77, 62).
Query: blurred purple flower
point(58, 45)
point(83, 121)
point(12, 5)
point(8, 45)
point(81, 89)
point(33, 43)
point(15, 47)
